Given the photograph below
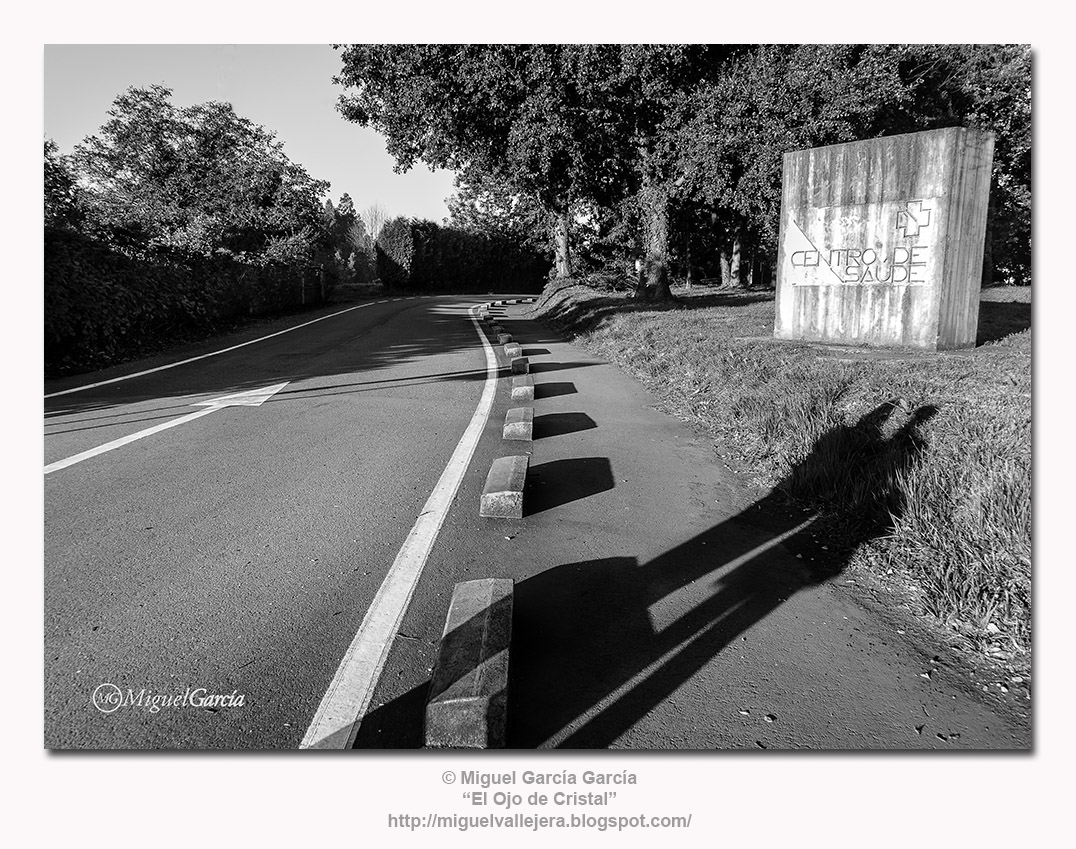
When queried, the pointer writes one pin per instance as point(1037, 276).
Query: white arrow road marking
point(253, 398)
point(344, 704)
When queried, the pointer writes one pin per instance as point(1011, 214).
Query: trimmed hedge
point(103, 306)
point(423, 256)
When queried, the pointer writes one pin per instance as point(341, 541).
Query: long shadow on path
point(588, 662)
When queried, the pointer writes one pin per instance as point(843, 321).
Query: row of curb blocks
point(513, 301)
point(467, 706)
point(502, 496)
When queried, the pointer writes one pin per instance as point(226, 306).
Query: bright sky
point(287, 89)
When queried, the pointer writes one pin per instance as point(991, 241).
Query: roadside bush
point(103, 306)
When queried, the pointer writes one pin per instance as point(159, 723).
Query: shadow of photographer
point(599, 644)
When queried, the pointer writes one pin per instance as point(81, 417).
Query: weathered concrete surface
point(467, 706)
point(523, 388)
point(521, 365)
point(513, 350)
point(504, 338)
point(882, 240)
point(502, 496)
point(519, 423)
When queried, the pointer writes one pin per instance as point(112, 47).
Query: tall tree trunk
point(563, 248)
point(725, 260)
point(641, 292)
point(690, 272)
point(655, 203)
point(735, 265)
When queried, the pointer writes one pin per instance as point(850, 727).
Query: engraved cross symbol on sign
point(912, 220)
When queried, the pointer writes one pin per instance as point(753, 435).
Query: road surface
point(235, 548)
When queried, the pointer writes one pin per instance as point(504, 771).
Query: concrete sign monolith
point(882, 240)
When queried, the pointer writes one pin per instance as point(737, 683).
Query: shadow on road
point(552, 389)
point(599, 644)
point(102, 417)
point(545, 368)
point(560, 482)
point(355, 345)
point(559, 424)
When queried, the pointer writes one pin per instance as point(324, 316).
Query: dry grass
point(921, 461)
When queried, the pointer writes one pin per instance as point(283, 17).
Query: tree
point(482, 203)
point(533, 117)
point(199, 179)
point(374, 218)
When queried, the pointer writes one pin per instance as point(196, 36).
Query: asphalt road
point(658, 604)
point(238, 552)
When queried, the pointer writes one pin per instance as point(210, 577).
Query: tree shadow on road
point(358, 346)
point(589, 660)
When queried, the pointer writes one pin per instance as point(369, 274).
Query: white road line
point(211, 354)
point(252, 398)
point(345, 702)
point(119, 443)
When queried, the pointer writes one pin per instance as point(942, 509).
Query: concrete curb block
point(519, 424)
point(496, 329)
point(468, 703)
point(504, 338)
point(502, 496)
point(523, 388)
point(521, 365)
point(513, 350)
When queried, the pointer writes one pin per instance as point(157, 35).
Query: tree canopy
point(670, 145)
point(199, 179)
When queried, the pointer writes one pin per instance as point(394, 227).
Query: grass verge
point(920, 463)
